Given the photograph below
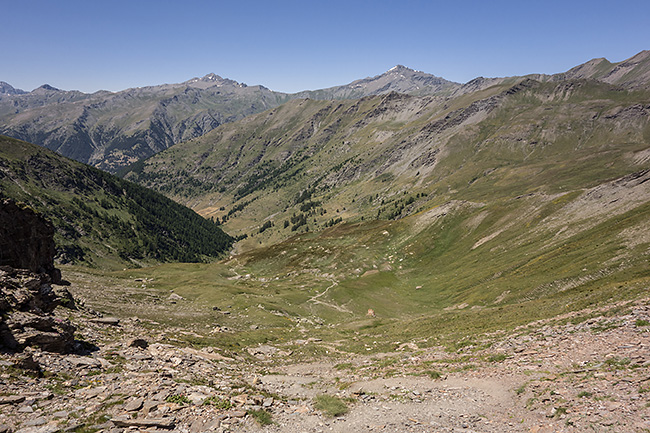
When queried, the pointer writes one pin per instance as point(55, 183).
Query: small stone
point(149, 406)
point(139, 342)
point(268, 402)
point(166, 423)
point(27, 362)
point(106, 321)
point(49, 428)
point(74, 426)
point(134, 405)
point(25, 409)
point(36, 422)
point(83, 361)
point(197, 398)
point(60, 414)
point(240, 399)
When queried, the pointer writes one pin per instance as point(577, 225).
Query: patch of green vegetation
point(432, 374)
point(344, 366)
point(585, 394)
point(262, 417)
point(499, 357)
point(560, 411)
point(219, 403)
point(641, 322)
point(178, 399)
point(330, 405)
point(605, 327)
point(91, 421)
point(616, 363)
point(465, 367)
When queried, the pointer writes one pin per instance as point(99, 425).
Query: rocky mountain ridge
point(398, 79)
point(112, 130)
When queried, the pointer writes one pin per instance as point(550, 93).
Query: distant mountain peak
point(401, 69)
point(48, 87)
point(211, 77)
point(8, 89)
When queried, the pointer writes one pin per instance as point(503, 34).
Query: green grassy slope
point(306, 164)
point(446, 275)
point(461, 217)
point(102, 219)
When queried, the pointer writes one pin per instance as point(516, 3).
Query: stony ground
point(546, 377)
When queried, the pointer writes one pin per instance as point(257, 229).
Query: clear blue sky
point(297, 45)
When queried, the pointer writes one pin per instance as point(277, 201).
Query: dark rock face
point(27, 271)
point(26, 240)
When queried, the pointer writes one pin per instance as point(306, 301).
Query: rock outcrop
point(27, 272)
point(27, 240)
point(26, 303)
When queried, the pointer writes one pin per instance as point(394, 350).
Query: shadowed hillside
point(100, 218)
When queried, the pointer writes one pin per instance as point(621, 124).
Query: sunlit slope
point(458, 269)
point(307, 164)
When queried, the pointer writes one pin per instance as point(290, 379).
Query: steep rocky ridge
point(110, 130)
point(631, 73)
point(397, 79)
point(8, 89)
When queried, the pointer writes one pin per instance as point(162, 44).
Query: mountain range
point(112, 130)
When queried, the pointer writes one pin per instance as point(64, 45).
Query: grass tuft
point(330, 405)
point(261, 416)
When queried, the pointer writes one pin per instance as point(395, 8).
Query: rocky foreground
point(546, 377)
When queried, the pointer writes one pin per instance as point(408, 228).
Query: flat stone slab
point(166, 423)
point(106, 321)
point(11, 399)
